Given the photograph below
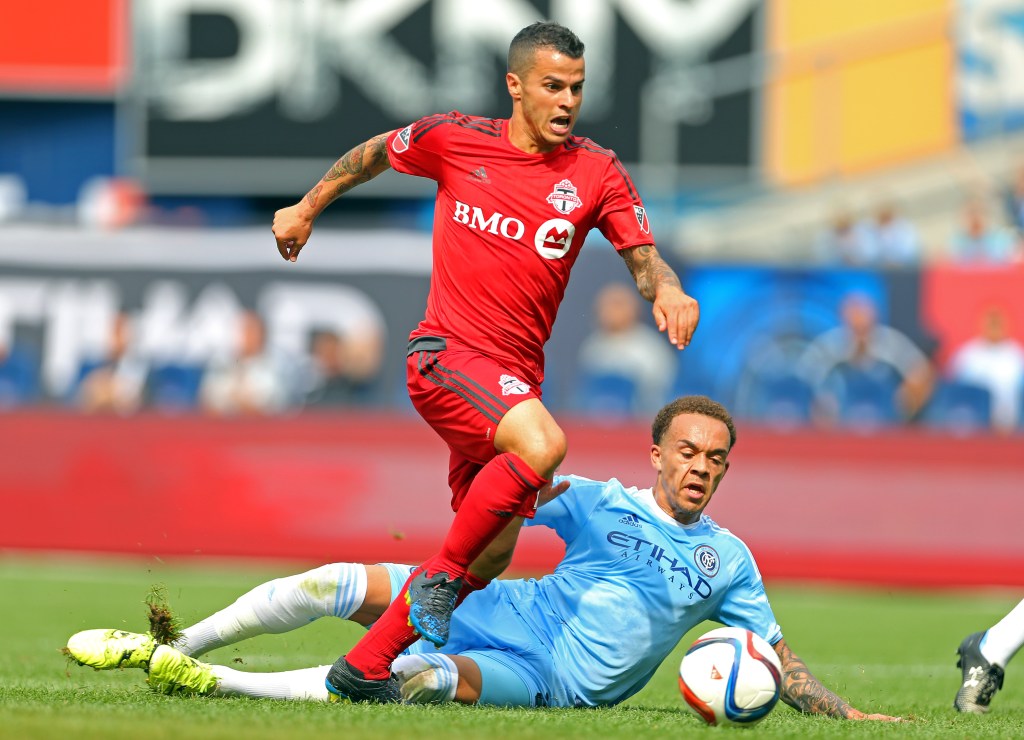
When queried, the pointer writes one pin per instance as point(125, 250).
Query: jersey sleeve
point(746, 603)
point(568, 513)
point(622, 218)
point(418, 149)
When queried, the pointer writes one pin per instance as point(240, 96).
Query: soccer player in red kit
point(515, 200)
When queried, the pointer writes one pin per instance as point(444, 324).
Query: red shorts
point(462, 395)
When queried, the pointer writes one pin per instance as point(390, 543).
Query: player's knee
point(544, 450)
point(426, 679)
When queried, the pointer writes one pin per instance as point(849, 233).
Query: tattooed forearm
point(802, 691)
point(356, 166)
point(311, 195)
point(649, 270)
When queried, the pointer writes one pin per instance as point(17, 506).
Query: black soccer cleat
point(981, 679)
point(431, 603)
point(345, 682)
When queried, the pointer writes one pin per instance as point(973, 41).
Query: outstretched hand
point(856, 714)
point(677, 314)
point(291, 230)
point(551, 491)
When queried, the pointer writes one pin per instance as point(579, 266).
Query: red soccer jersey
point(508, 227)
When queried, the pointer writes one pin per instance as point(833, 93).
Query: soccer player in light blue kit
point(642, 567)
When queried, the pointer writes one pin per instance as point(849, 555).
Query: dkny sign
point(259, 96)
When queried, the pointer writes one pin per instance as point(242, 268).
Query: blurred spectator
point(626, 367)
point(115, 382)
point(110, 203)
point(845, 241)
point(864, 372)
point(892, 239)
point(994, 360)
point(344, 368)
point(1014, 201)
point(978, 240)
point(253, 382)
point(19, 373)
point(13, 197)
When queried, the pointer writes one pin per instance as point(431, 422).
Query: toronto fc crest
point(564, 197)
point(513, 386)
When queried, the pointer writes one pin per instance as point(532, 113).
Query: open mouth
point(561, 124)
point(696, 490)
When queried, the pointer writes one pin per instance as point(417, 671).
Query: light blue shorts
point(517, 669)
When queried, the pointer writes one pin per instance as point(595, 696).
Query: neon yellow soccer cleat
point(106, 649)
point(173, 672)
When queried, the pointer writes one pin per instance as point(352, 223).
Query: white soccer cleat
point(106, 649)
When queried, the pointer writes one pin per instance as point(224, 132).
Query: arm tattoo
point(802, 691)
point(649, 270)
point(353, 168)
point(311, 195)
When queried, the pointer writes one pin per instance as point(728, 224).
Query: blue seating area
point(174, 387)
point(782, 400)
point(866, 397)
point(959, 407)
point(19, 378)
point(606, 396)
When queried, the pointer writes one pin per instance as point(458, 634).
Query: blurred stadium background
point(160, 363)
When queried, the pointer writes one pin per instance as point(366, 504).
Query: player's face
point(546, 101)
point(690, 461)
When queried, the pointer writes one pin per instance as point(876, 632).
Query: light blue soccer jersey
point(633, 581)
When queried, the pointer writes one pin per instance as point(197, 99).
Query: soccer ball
point(730, 676)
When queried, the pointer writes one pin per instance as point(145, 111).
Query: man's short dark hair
point(692, 405)
point(541, 35)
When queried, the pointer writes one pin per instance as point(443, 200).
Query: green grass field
point(886, 651)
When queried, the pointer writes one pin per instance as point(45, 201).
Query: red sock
point(391, 634)
point(495, 496)
point(386, 639)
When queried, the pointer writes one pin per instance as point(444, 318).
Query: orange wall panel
point(895, 107)
point(795, 23)
point(855, 86)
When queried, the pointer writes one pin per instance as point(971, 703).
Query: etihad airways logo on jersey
point(553, 239)
point(401, 142)
point(654, 556)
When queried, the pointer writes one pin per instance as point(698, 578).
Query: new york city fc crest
point(707, 560)
point(564, 197)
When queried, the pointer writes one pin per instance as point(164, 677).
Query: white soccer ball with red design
point(730, 676)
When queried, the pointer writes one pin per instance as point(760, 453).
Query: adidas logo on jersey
point(630, 520)
point(479, 175)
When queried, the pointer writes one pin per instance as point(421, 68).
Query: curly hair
point(692, 405)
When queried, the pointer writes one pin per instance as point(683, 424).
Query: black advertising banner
point(257, 97)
